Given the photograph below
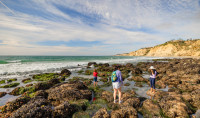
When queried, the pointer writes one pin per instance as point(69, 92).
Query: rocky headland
point(56, 95)
point(172, 48)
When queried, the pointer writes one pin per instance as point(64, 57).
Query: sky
point(93, 27)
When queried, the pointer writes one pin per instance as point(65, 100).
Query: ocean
point(21, 67)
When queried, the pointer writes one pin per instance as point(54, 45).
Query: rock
point(92, 63)
point(69, 91)
point(64, 110)
point(2, 94)
point(26, 80)
point(42, 86)
point(150, 108)
point(173, 106)
point(14, 105)
point(65, 72)
point(125, 112)
point(108, 96)
point(28, 85)
point(160, 84)
point(129, 65)
point(101, 113)
point(132, 102)
point(16, 91)
point(196, 98)
point(36, 107)
point(139, 79)
point(53, 81)
point(136, 71)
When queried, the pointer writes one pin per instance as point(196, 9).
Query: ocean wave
point(14, 61)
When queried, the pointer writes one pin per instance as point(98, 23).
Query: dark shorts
point(95, 79)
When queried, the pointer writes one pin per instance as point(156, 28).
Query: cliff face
point(170, 48)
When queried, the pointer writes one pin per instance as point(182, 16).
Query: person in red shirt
point(95, 77)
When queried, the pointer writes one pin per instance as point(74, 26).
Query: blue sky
point(93, 27)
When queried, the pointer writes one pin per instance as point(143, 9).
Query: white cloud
point(167, 19)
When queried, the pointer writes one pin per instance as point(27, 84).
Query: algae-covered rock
point(125, 112)
point(101, 113)
point(36, 108)
point(67, 91)
point(10, 85)
point(45, 76)
point(14, 105)
point(11, 80)
point(150, 108)
point(27, 80)
point(2, 81)
point(64, 110)
point(108, 96)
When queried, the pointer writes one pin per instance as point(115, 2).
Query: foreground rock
point(65, 92)
point(101, 113)
point(125, 112)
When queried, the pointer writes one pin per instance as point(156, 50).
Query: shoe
point(115, 101)
point(120, 102)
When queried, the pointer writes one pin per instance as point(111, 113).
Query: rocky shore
point(58, 95)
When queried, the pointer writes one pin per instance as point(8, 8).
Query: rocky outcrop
point(170, 48)
point(67, 92)
point(125, 112)
point(65, 72)
point(36, 107)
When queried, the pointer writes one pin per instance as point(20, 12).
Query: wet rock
point(65, 72)
point(26, 80)
point(108, 96)
point(92, 63)
point(65, 92)
point(129, 65)
point(11, 80)
point(125, 112)
point(16, 91)
point(53, 81)
point(101, 113)
point(36, 107)
point(64, 110)
point(150, 108)
point(2, 94)
point(136, 71)
point(133, 102)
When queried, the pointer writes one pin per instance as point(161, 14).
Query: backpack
point(114, 76)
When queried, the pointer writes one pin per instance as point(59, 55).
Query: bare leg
point(120, 94)
point(114, 94)
point(94, 84)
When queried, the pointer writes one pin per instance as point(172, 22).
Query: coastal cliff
point(170, 48)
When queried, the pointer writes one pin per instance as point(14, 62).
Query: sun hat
point(151, 67)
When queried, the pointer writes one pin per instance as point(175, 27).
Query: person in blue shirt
point(117, 85)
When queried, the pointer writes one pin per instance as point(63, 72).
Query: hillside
point(170, 48)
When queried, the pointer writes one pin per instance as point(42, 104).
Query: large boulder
point(36, 107)
point(69, 91)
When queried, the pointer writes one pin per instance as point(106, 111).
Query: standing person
point(117, 83)
point(153, 78)
point(95, 73)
